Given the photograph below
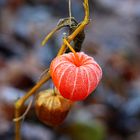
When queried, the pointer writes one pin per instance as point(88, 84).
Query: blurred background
point(112, 112)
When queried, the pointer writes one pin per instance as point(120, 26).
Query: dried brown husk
point(52, 108)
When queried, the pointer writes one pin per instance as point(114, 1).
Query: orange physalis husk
point(51, 108)
point(75, 75)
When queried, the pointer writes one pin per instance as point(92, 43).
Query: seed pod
point(75, 75)
point(51, 108)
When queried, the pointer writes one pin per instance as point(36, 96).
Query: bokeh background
point(112, 112)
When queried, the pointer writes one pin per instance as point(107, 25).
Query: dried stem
point(22, 100)
point(80, 27)
point(70, 11)
point(68, 44)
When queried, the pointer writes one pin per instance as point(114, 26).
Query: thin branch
point(22, 100)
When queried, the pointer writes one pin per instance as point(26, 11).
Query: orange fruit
point(75, 75)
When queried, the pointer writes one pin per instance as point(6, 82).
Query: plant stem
point(22, 100)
